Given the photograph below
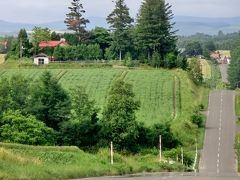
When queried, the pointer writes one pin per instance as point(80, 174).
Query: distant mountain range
point(186, 25)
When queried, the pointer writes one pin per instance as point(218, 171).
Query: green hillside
point(164, 94)
point(54, 162)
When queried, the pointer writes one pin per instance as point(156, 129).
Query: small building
point(41, 59)
point(215, 55)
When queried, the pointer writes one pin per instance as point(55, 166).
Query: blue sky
point(38, 11)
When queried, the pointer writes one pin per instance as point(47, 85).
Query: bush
point(198, 120)
point(16, 128)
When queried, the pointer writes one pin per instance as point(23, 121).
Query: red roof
point(215, 56)
point(51, 43)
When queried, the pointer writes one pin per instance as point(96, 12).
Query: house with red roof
point(215, 55)
point(61, 42)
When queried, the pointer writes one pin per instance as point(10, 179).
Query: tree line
point(151, 39)
point(234, 67)
point(41, 112)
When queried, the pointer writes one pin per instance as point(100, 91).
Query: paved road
point(223, 69)
point(218, 156)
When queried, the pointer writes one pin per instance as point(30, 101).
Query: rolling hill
point(185, 24)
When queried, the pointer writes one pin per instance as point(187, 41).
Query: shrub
point(198, 120)
point(16, 128)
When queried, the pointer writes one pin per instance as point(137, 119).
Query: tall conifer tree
point(120, 21)
point(155, 30)
point(23, 44)
point(75, 20)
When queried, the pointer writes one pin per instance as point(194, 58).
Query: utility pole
point(21, 48)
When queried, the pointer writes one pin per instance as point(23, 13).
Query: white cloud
point(32, 11)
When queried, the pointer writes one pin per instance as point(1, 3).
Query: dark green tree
point(14, 93)
point(59, 53)
point(208, 47)
point(119, 117)
point(72, 39)
point(17, 128)
point(193, 48)
point(75, 20)
point(155, 29)
point(82, 129)
point(49, 101)
point(195, 71)
point(120, 22)
point(23, 44)
point(102, 37)
point(55, 36)
point(234, 67)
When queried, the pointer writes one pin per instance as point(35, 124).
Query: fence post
point(160, 148)
point(182, 156)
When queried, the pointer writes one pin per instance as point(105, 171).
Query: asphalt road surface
point(218, 156)
point(218, 161)
point(223, 69)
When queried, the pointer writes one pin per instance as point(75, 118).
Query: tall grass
point(33, 162)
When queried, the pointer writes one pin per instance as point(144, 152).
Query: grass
point(215, 80)
point(2, 59)
point(237, 104)
point(164, 94)
point(32, 162)
point(206, 69)
point(225, 52)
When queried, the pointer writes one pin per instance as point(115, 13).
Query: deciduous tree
point(40, 34)
point(119, 116)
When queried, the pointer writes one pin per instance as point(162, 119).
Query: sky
point(40, 11)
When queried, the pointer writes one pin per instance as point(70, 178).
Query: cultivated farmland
point(2, 58)
point(206, 69)
point(164, 95)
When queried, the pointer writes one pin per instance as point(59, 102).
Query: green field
point(2, 58)
point(164, 94)
point(206, 69)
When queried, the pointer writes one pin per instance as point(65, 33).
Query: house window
point(40, 61)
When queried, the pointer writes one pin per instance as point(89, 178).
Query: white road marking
point(219, 134)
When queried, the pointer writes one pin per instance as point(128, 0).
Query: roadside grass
point(237, 147)
point(2, 58)
point(33, 162)
point(206, 69)
point(237, 104)
point(215, 81)
point(237, 139)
